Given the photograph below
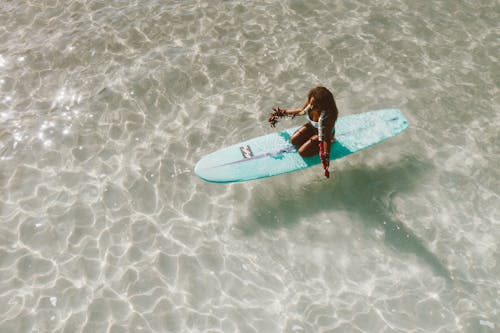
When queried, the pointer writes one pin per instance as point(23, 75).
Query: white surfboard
point(273, 154)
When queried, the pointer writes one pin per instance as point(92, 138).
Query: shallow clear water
point(105, 107)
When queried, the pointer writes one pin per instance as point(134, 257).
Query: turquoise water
point(105, 107)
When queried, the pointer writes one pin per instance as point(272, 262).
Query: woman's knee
point(310, 147)
point(301, 135)
point(295, 138)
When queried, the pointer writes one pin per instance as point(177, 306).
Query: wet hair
point(323, 99)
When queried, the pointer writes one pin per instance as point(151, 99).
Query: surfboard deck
point(273, 154)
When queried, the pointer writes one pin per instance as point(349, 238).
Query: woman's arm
point(293, 112)
point(279, 113)
point(301, 111)
point(325, 142)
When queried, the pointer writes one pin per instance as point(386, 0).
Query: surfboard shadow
point(365, 191)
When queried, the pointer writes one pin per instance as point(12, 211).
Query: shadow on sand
point(365, 191)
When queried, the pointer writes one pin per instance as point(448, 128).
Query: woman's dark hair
point(323, 99)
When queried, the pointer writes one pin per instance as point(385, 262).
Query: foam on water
point(106, 107)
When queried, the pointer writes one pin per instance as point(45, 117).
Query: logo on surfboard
point(246, 151)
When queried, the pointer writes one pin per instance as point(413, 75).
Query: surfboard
point(273, 154)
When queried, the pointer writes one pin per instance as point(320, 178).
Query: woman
point(317, 134)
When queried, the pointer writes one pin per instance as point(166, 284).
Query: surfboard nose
point(396, 120)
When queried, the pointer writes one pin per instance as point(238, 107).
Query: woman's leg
point(310, 147)
point(303, 134)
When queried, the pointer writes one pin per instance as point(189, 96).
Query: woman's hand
point(281, 112)
point(325, 158)
point(276, 114)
